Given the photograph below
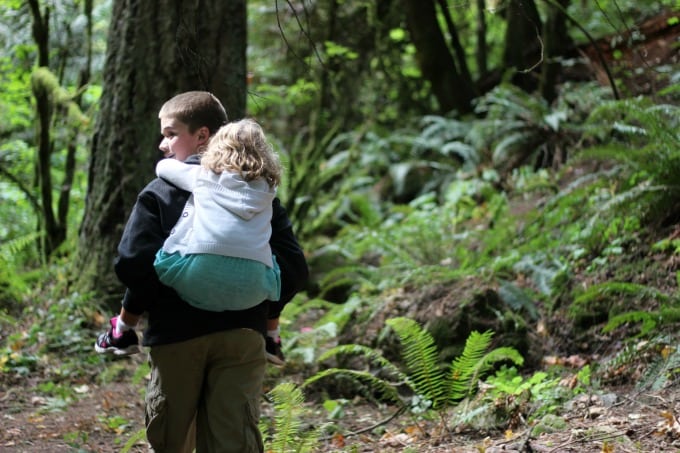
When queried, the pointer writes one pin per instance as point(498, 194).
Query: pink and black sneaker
point(126, 344)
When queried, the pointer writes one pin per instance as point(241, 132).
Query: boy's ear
point(203, 134)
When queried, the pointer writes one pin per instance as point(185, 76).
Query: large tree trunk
point(557, 42)
point(434, 58)
point(155, 50)
point(522, 53)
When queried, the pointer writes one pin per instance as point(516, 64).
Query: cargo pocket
point(252, 434)
point(155, 413)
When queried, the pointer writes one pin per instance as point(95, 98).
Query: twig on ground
point(399, 411)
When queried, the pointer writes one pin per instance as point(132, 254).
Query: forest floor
point(101, 410)
point(104, 417)
point(104, 412)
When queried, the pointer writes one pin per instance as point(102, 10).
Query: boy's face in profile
point(178, 142)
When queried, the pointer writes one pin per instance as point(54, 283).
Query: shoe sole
point(117, 351)
point(271, 358)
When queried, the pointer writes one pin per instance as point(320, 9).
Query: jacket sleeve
point(289, 256)
point(142, 237)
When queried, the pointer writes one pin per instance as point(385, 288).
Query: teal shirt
point(218, 283)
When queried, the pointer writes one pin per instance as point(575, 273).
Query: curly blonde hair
point(242, 147)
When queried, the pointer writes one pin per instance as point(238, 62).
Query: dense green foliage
point(566, 212)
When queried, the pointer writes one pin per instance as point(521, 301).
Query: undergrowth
point(435, 209)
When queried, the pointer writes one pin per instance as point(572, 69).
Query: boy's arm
point(142, 238)
point(178, 173)
point(133, 304)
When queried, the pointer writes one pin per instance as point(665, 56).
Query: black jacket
point(171, 319)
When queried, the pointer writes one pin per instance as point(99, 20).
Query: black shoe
point(126, 344)
point(274, 354)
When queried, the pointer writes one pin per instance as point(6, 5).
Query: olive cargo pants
point(214, 381)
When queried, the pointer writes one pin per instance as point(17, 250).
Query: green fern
point(288, 427)
point(644, 137)
point(663, 369)
point(420, 354)
point(139, 436)
point(620, 288)
point(304, 344)
point(605, 295)
point(658, 359)
point(647, 319)
point(519, 127)
point(450, 137)
point(351, 276)
point(467, 370)
point(424, 376)
point(13, 247)
point(300, 305)
point(384, 389)
point(371, 355)
point(12, 284)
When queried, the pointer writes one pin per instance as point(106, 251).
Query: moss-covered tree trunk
point(155, 50)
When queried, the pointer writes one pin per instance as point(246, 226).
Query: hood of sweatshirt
point(230, 191)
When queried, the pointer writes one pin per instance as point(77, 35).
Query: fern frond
point(443, 128)
point(421, 357)
point(386, 390)
point(300, 305)
point(627, 355)
point(597, 291)
point(509, 145)
point(662, 371)
point(669, 315)
point(5, 318)
point(350, 273)
point(14, 246)
point(288, 402)
point(467, 153)
point(487, 362)
point(463, 368)
point(372, 356)
point(341, 314)
point(646, 318)
point(466, 416)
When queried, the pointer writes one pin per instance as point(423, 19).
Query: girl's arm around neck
point(178, 173)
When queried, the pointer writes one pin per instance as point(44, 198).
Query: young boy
point(187, 123)
point(207, 368)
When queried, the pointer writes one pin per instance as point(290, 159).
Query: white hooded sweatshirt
point(225, 215)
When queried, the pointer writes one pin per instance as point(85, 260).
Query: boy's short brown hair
point(195, 109)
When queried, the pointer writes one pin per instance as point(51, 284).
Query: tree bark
point(155, 49)
point(434, 58)
point(523, 47)
point(458, 51)
point(557, 41)
point(54, 234)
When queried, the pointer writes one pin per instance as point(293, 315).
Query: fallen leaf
point(338, 440)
